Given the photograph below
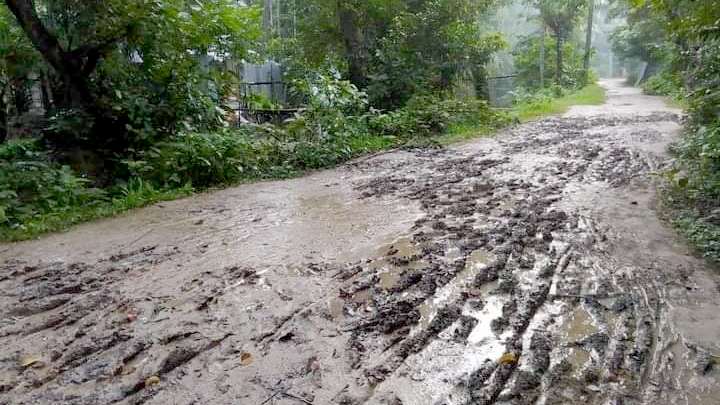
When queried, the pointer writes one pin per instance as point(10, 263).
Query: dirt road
point(526, 268)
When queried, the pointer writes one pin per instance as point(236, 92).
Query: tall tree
point(561, 18)
point(350, 22)
point(72, 66)
point(588, 42)
point(127, 74)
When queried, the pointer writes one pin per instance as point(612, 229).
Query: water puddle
point(475, 262)
point(483, 330)
point(482, 336)
point(401, 248)
point(578, 325)
point(427, 311)
point(477, 259)
point(174, 304)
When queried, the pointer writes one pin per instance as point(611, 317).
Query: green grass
point(590, 95)
point(593, 94)
point(462, 133)
point(676, 103)
point(137, 194)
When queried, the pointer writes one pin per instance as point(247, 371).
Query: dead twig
point(339, 393)
point(303, 400)
point(269, 398)
point(139, 237)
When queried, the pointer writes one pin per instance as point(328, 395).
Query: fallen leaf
point(28, 361)
point(313, 364)
point(131, 315)
point(509, 358)
point(246, 358)
point(150, 381)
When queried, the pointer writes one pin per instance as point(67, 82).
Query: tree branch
point(46, 43)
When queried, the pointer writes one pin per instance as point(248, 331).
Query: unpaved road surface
point(526, 268)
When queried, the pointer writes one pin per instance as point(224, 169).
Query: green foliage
point(554, 100)
point(413, 47)
point(38, 195)
point(159, 70)
point(31, 185)
point(664, 84)
point(683, 36)
point(336, 126)
point(257, 101)
point(427, 115)
point(527, 61)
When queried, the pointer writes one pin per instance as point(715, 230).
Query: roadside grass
point(262, 160)
point(702, 232)
point(139, 195)
point(593, 94)
point(678, 103)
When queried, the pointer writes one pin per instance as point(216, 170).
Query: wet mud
point(527, 268)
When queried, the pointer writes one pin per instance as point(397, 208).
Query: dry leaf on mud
point(509, 358)
point(246, 358)
point(28, 361)
point(150, 381)
point(313, 365)
point(131, 315)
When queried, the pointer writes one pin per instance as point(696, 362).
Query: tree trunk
point(45, 87)
point(20, 95)
point(542, 58)
point(588, 43)
point(267, 19)
point(357, 51)
point(3, 117)
point(559, 59)
point(68, 65)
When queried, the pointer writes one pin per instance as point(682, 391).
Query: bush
point(664, 84)
point(31, 185)
point(429, 115)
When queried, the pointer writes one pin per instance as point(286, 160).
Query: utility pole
point(588, 42)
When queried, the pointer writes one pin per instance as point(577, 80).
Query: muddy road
point(526, 268)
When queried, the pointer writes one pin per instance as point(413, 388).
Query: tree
point(127, 74)
point(588, 42)
point(561, 18)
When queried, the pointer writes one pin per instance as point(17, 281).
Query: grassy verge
point(590, 95)
point(139, 195)
point(676, 103)
point(701, 231)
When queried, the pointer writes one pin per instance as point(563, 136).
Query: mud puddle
point(527, 268)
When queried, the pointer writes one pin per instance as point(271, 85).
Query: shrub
point(664, 84)
point(31, 185)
